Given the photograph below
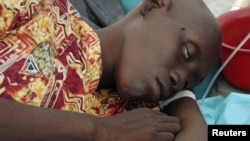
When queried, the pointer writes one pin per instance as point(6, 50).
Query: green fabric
point(127, 5)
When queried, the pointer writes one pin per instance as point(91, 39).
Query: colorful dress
point(49, 57)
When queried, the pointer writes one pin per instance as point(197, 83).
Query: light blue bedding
point(233, 109)
point(129, 4)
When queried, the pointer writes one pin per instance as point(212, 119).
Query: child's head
point(169, 45)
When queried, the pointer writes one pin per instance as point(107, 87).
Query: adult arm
point(23, 122)
point(194, 127)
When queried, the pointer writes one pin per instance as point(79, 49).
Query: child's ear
point(148, 5)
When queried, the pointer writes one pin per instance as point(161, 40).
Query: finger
point(169, 127)
point(162, 117)
point(164, 136)
point(166, 118)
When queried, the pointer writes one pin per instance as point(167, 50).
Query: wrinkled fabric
point(233, 109)
point(49, 57)
point(46, 49)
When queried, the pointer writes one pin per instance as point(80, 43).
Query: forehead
point(193, 13)
point(200, 25)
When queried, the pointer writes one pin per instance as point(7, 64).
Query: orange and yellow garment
point(49, 57)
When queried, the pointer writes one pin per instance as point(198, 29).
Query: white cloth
point(180, 94)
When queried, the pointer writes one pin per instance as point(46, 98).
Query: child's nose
point(179, 79)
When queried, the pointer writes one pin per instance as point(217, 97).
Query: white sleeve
point(180, 94)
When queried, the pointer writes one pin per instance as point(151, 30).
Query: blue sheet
point(233, 109)
point(129, 4)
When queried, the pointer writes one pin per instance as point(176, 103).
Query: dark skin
point(159, 30)
point(153, 52)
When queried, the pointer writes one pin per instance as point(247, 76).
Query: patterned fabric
point(50, 58)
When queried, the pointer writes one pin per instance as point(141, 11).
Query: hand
point(138, 125)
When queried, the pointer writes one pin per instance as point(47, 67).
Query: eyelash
point(186, 52)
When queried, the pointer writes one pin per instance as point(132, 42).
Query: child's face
point(164, 55)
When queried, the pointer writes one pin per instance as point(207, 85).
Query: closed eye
point(186, 52)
